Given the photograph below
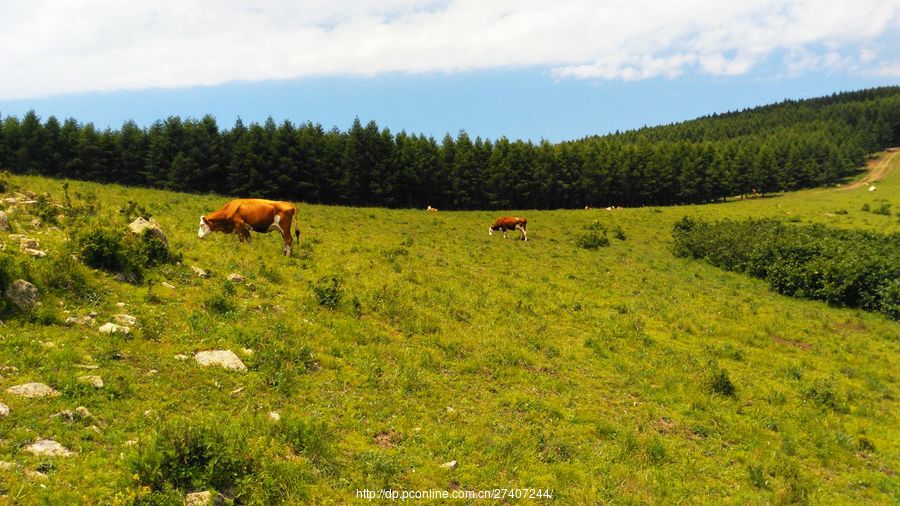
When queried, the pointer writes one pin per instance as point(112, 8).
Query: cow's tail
point(296, 224)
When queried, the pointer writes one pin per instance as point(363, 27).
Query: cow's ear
point(205, 219)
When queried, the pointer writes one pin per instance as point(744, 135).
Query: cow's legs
point(240, 228)
point(522, 229)
point(285, 231)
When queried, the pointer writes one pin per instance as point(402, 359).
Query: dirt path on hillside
point(879, 169)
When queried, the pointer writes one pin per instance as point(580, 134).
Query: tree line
point(785, 146)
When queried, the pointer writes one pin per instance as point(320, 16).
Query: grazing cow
point(431, 209)
point(508, 223)
point(240, 216)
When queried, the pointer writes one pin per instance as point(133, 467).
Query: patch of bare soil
point(879, 169)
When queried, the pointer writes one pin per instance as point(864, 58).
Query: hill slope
point(600, 375)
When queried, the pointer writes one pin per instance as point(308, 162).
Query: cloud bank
point(69, 46)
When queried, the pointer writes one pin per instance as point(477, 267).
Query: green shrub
point(842, 267)
point(133, 211)
point(113, 250)
point(593, 237)
point(618, 233)
point(46, 210)
point(313, 440)
point(720, 383)
point(63, 272)
point(823, 393)
point(865, 207)
point(328, 291)
point(219, 303)
point(189, 455)
point(883, 209)
point(101, 247)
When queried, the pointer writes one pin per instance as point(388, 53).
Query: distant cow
point(240, 216)
point(431, 209)
point(508, 223)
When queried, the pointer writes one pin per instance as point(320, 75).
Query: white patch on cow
point(204, 229)
point(490, 231)
point(276, 225)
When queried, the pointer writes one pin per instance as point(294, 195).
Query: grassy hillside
point(619, 375)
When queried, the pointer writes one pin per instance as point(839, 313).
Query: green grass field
point(597, 374)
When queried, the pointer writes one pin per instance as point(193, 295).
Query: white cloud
point(64, 46)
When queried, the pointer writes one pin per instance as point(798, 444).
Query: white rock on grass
point(94, 381)
point(28, 243)
point(168, 285)
point(205, 498)
point(139, 225)
point(80, 320)
point(4, 222)
point(222, 358)
point(112, 328)
point(34, 252)
point(48, 448)
point(125, 319)
point(449, 465)
point(4, 410)
point(274, 416)
point(199, 272)
point(236, 278)
point(32, 390)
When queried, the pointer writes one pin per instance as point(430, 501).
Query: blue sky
point(520, 69)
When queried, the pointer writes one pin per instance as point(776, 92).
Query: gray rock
point(4, 222)
point(112, 328)
point(66, 414)
point(32, 390)
point(23, 294)
point(139, 225)
point(49, 448)
point(4, 410)
point(168, 285)
point(274, 416)
point(449, 465)
point(236, 278)
point(222, 358)
point(205, 498)
point(34, 252)
point(125, 319)
point(92, 380)
point(83, 412)
point(199, 272)
point(28, 243)
point(79, 320)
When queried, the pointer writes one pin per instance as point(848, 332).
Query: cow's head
point(205, 229)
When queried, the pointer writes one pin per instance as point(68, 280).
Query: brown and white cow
point(508, 223)
point(240, 216)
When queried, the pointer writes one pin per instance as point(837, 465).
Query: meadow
point(394, 342)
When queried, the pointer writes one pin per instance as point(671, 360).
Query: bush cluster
point(842, 267)
point(593, 237)
point(111, 249)
point(190, 455)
